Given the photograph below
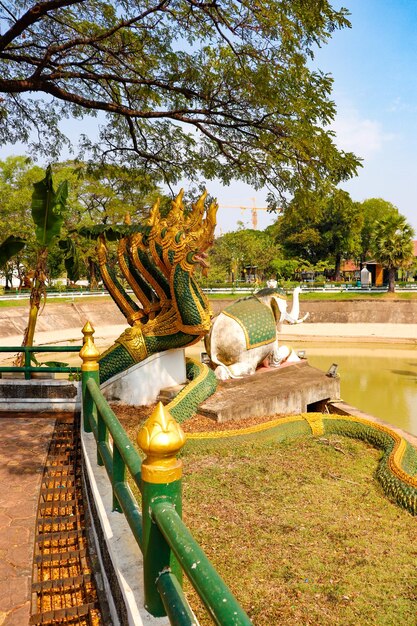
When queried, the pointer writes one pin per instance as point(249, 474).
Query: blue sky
point(374, 66)
point(375, 88)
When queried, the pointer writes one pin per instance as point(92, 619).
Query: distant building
point(351, 270)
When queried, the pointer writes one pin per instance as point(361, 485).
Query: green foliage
point(72, 260)
point(317, 227)
point(234, 251)
point(393, 241)
point(17, 175)
point(9, 248)
point(48, 208)
point(285, 268)
point(222, 89)
point(104, 194)
point(97, 195)
point(373, 210)
point(392, 244)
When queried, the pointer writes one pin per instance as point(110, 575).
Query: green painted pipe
point(63, 369)
point(174, 601)
point(213, 591)
point(131, 510)
point(120, 439)
point(89, 408)
point(157, 553)
point(40, 348)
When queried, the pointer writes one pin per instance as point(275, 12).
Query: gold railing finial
point(89, 353)
point(161, 438)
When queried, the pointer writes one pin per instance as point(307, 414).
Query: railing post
point(119, 475)
point(160, 439)
point(27, 362)
point(89, 369)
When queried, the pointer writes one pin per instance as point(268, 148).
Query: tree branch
point(32, 16)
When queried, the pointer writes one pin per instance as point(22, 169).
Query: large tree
point(341, 228)
point(240, 249)
point(393, 244)
point(189, 88)
point(105, 193)
point(97, 194)
point(17, 176)
point(317, 227)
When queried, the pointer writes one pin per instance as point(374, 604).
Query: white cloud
point(399, 105)
point(364, 137)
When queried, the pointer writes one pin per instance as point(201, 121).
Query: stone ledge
point(40, 396)
point(289, 389)
point(43, 388)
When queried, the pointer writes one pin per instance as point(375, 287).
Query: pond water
point(380, 379)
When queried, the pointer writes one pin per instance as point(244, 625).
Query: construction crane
point(254, 210)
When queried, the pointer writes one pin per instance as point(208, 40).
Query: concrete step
point(39, 395)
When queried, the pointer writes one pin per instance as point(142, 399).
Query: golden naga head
point(188, 234)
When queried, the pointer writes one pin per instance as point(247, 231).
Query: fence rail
point(166, 543)
point(29, 369)
point(306, 287)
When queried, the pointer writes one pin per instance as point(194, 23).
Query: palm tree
point(393, 245)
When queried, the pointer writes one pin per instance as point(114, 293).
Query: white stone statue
point(245, 333)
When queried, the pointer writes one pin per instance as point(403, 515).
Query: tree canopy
point(97, 194)
point(240, 249)
point(373, 211)
point(186, 88)
point(315, 227)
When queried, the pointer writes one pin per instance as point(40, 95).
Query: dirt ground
point(131, 415)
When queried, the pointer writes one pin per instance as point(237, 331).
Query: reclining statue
point(245, 333)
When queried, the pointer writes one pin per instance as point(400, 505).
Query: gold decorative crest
point(132, 339)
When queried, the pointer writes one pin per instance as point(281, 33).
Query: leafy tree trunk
point(92, 274)
point(38, 291)
point(337, 266)
point(391, 280)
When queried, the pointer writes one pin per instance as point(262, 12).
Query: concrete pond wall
point(74, 315)
point(369, 311)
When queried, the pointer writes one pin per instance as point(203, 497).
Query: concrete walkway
point(105, 335)
point(359, 333)
point(24, 445)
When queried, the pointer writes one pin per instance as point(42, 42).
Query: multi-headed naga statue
point(158, 261)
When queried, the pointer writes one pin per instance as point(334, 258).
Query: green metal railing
point(28, 369)
point(167, 545)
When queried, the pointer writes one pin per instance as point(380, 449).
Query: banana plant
point(48, 209)
point(48, 212)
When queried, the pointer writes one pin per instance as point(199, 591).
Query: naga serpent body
point(397, 469)
point(158, 260)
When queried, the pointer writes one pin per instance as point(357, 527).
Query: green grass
point(64, 300)
point(347, 295)
point(303, 534)
point(301, 531)
point(318, 295)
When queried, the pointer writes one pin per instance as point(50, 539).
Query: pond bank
point(390, 321)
